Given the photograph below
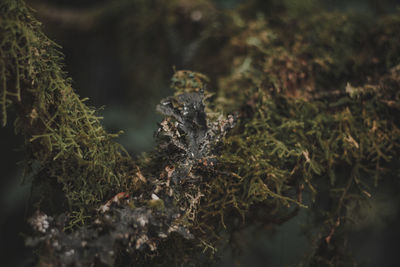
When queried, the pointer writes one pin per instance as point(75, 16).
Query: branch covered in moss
point(314, 116)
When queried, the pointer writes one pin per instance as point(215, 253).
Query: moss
point(316, 111)
point(156, 204)
point(303, 56)
point(65, 142)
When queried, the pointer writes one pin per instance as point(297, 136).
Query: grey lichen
point(138, 223)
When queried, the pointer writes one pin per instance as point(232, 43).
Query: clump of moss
point(316, 111)
point(67, 149)
point(304, 56)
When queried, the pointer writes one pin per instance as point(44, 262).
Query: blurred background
point(121, 54)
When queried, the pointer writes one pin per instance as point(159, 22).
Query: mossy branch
point(300, 127)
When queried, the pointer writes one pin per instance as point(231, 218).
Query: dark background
point(123, 60)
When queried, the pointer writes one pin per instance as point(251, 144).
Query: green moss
point(156, 204)
point(303, 56)
point(63, 135)
point(304, 123)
